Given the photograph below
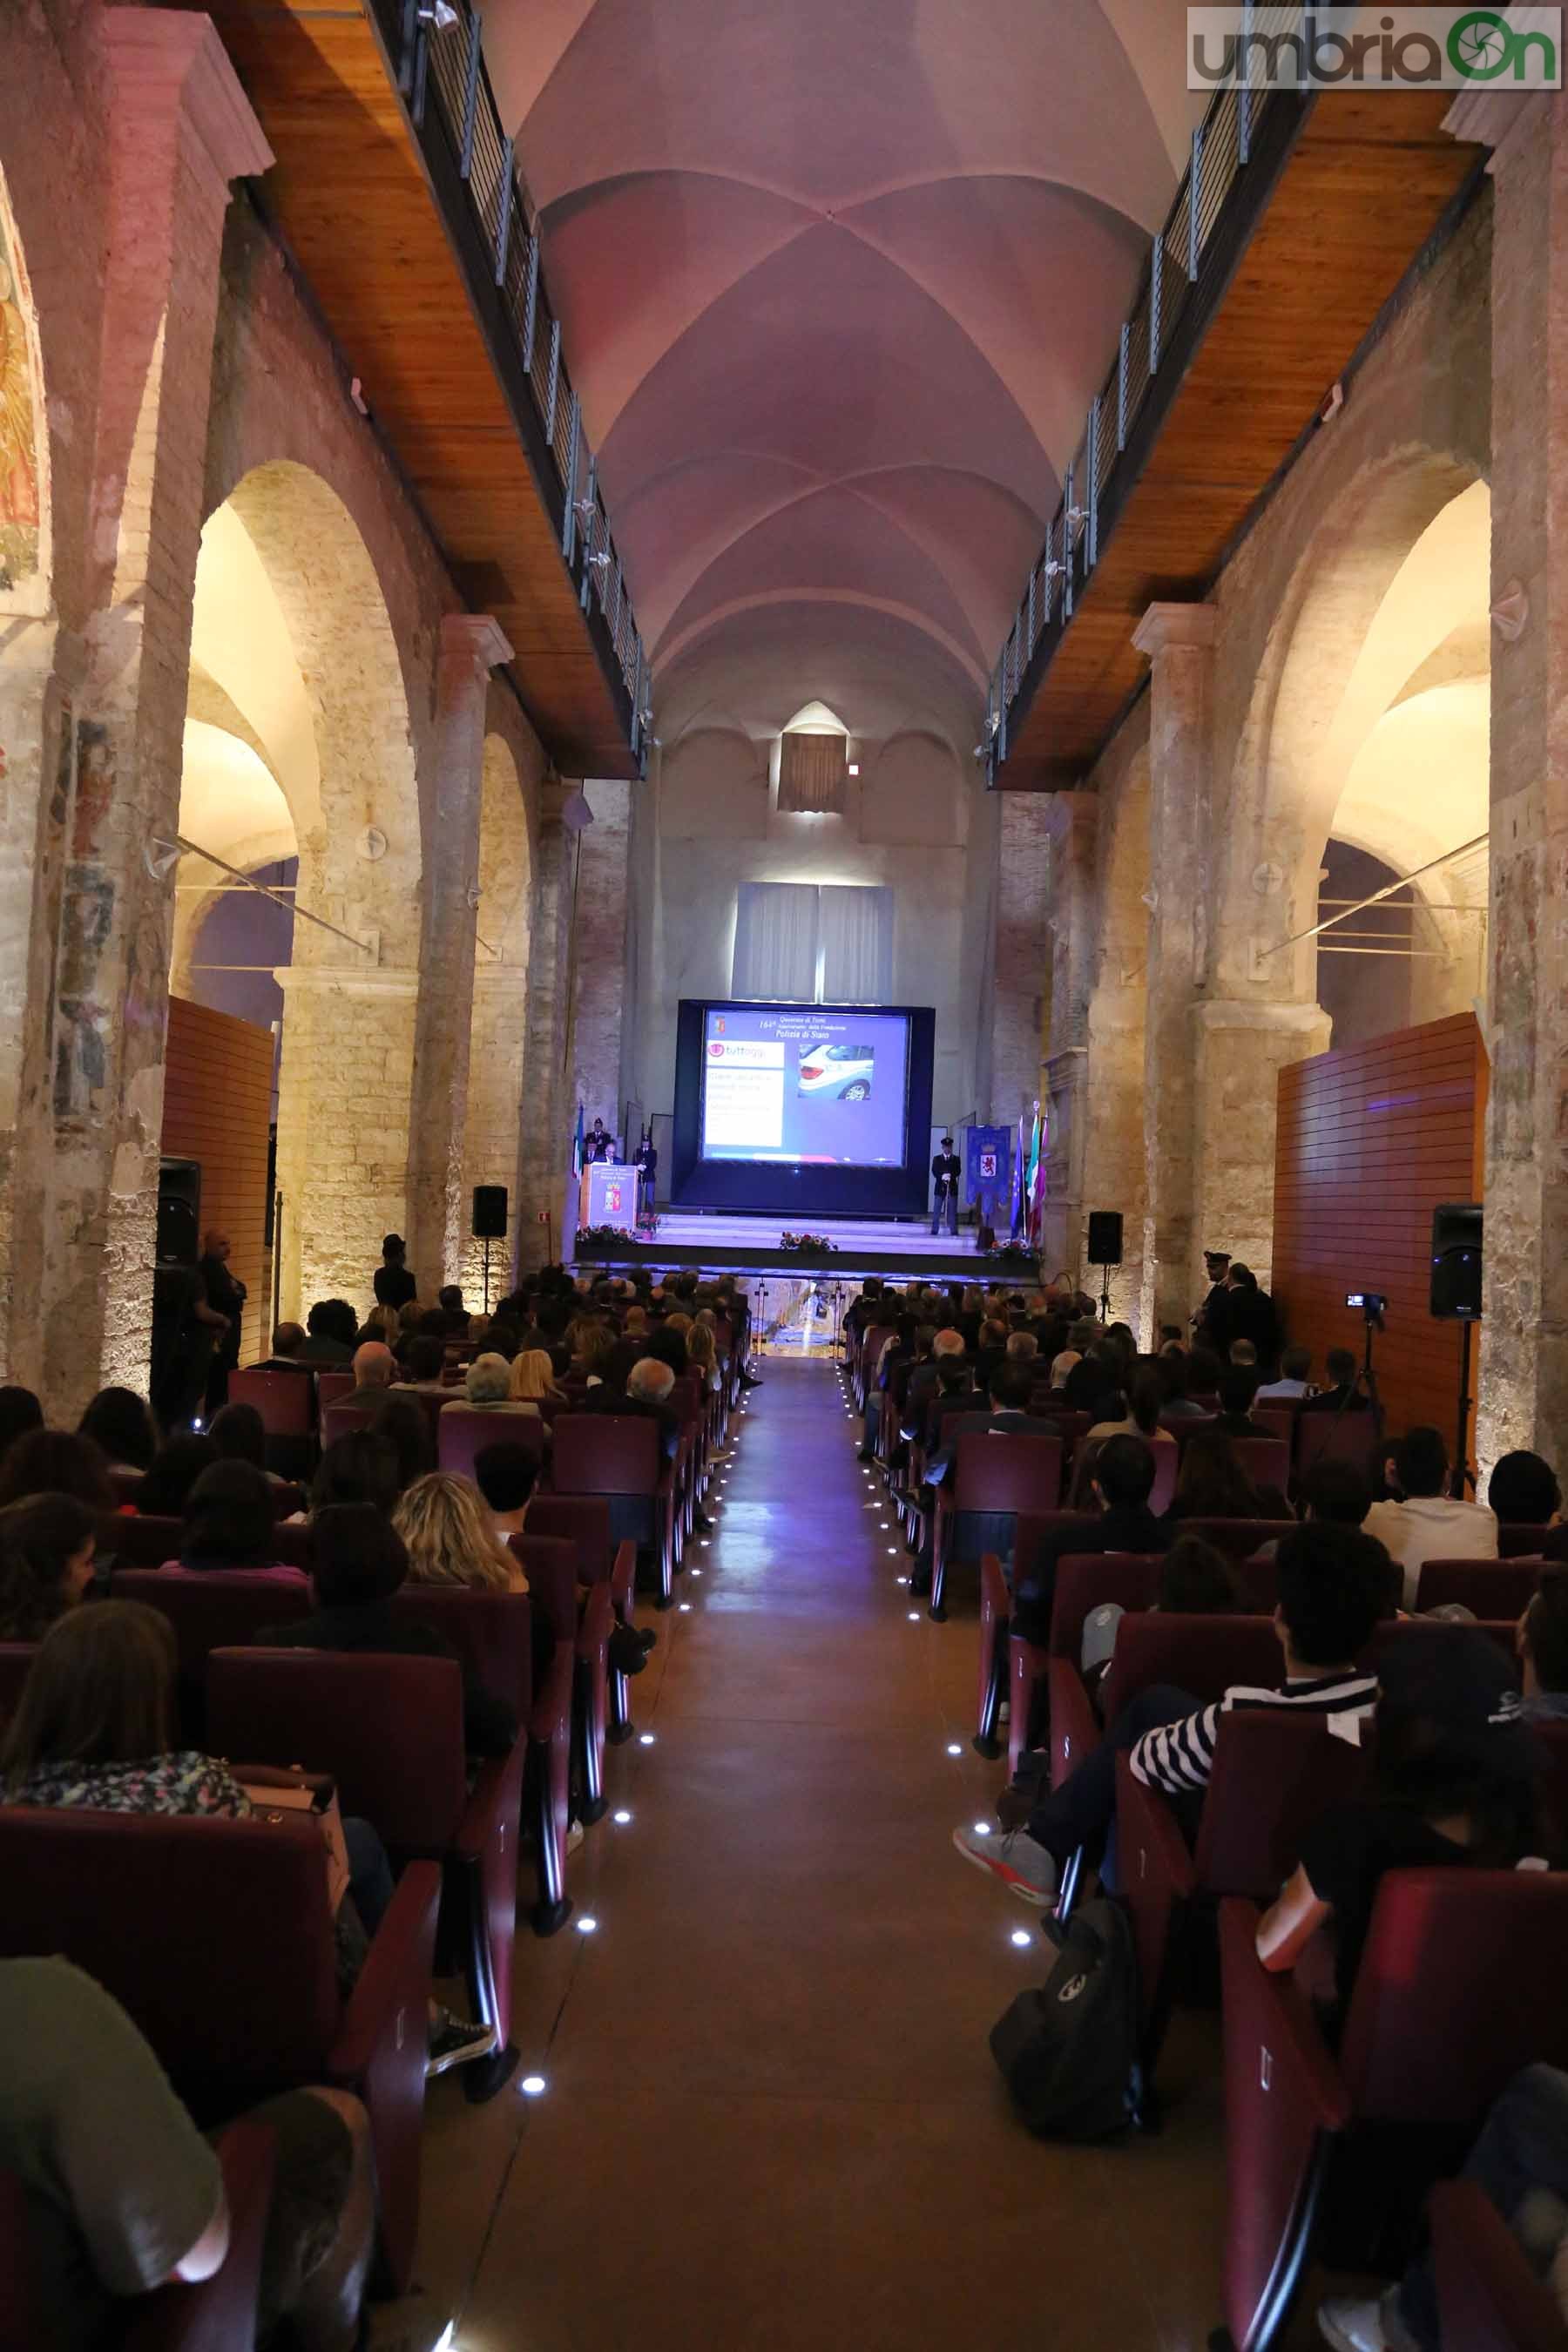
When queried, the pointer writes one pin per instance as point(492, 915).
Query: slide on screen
point(797, 1084)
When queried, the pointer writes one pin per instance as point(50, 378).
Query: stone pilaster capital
point(1167, 627)
point(1498, 118)
point(170, 64)
point(474, 640)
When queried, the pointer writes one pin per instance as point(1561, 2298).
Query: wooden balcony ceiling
point(1364, 187)
point(348, 194)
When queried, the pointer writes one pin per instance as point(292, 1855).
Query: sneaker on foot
point(1025, 1869)
point(454, 2041)
point(1365, 2324)
point(575, 1836)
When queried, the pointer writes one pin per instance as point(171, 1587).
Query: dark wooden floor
point(772, 2122)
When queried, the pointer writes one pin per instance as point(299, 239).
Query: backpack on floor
point(1069, 2051)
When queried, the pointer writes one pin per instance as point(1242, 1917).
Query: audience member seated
point(121, 1422)
point(1094, 1383)
point(667, 1345)
point(648, 1384)
point(1294, 1382)
point(124, 2194)
point(702, 1356)
point(1242, 1351)
point(1172, 1371)
point(1339, 1493)
point(1343, 1393)
point(361, 1466)
point(422, 1362)
point(1006, 1414)
point(505, 1477)
point(449, 1303)
point(1120, 1484)
point(1141, 1418)
point(1424, 1523)
point(373, 1367)
point(1212, 1485)
point(487, 1388)
point(1204, 1369)
point(449, 1538)
point(288, 1350)
point(1331, 1583)
point(1237, 1388)
point(382, 1323)
point(240, 1435)
point(1524, 1492)
point(166, 1487)
point(407, 1428)
point(1543, 1644)
point(332, 1330)
point(358, 1562)
point(1196, 1579)
point(231, 1523)
point(46, 1548)
point(19, 1412)
point(56, 1462)
point(1520, 2162)
point(1455, 1782)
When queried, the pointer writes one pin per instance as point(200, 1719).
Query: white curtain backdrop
point(856, 940)
point(776, 942)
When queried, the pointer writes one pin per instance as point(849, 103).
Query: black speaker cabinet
point(490, 1212)
point(179, 1212)
point(1104, 1237)
point(1457, 1261)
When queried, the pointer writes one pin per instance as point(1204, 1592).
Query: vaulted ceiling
point(837, 279)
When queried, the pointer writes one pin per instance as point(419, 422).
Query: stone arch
point(1328, 676)
point(294, 654)
point(24, 566)
point(499, 1034)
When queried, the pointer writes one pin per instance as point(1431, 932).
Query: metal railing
point(1222, 147)
point(442, 78)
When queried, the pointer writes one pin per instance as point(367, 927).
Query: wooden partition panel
point(1370, 1139)
point(217, 1110)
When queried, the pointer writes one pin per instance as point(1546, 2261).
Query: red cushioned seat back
point(344, 1414)
point(332, 1386)
point(1554, 1738)
point(138, 1543)
point(286, 1400)
point(126, 1483)
point(1007, 1473)
point(1492, 1588)
point(463, 1431)
point(1338, 1437)
point(1274, 1773)
point(215, 1935)
point(1239, 1538)
point(15, 1666)
point(583, 1520)
point(685, 1400)
point(1086, 1581)
point(1202, 1655)
point(1460, 1984)
point(606, 1453)
point(1519, 1542)
point(1278, 1420)
point(491, 1632)
point(388, 1729)
point(212, 1613)
point(1265, 1459)
point(549, 1564)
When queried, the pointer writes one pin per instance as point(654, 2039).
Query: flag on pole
point(1037, 1193)
point(1020, 1189)
point(577, 1145)
point(1031, 1193)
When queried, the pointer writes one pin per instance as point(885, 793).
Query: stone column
point(1021, 955)
point(471, 647)
point(1072, 821)
point(599, 952)
point(546, 1118)
point(1179, 641)
point(1524, 1382)
point(181, 129)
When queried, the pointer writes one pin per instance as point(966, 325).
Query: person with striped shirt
point(1334, 1583)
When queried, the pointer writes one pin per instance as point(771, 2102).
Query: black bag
point(1068, 2053)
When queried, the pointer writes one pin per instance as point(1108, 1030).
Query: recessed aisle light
point(953, 1748)
point(621, 1819)
point(645, 1739)
point(915, 1616)
point(984, 1829)
point(892, 1551)
point(1022, 1940)
point(686, 1609)
point(533, 2086)
point(587, 1924)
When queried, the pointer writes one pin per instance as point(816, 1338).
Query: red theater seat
point(463, 1431)
point(390, 1732)
point(1492, 1588)
point(619, 1458)
point(1015, 1475)
point(1430, 2042)
point(232, 1975)
point(583, 1521)
point(1351, 1437)
point(583, 1634)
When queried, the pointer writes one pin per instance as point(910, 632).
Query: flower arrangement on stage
point(801, 1243)
point(1011, 1252)
point(605, 1237)
point(649, 1222)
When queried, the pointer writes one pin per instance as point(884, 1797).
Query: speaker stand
point(1463, 1475)
point(1105, 1293)
point(487, 1273)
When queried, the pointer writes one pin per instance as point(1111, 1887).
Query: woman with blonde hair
point(449, 1538)
point(382, 1323)
point(533, 1378)
point(702, 1355)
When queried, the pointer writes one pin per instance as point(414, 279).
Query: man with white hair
point(648, 1384)
point(926, 1379)
point(374, 1366)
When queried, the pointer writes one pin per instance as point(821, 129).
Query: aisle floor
point(772, 2122)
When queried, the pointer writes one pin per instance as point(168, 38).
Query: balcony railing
point(444, 83)
point(1172, 286)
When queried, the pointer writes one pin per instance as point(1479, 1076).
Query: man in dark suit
point(1122, 1481)
point(287, 1343)
point(599, 1145)
point(1342, 1395)
point(1008, 1416)
point(946, 1168)
point(332, 1328)
point(1237, 1388)
point(1209, 1324)
point(645, 1397)
point(1249, 1314)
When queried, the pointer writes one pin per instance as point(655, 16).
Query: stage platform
point(726, 1243)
